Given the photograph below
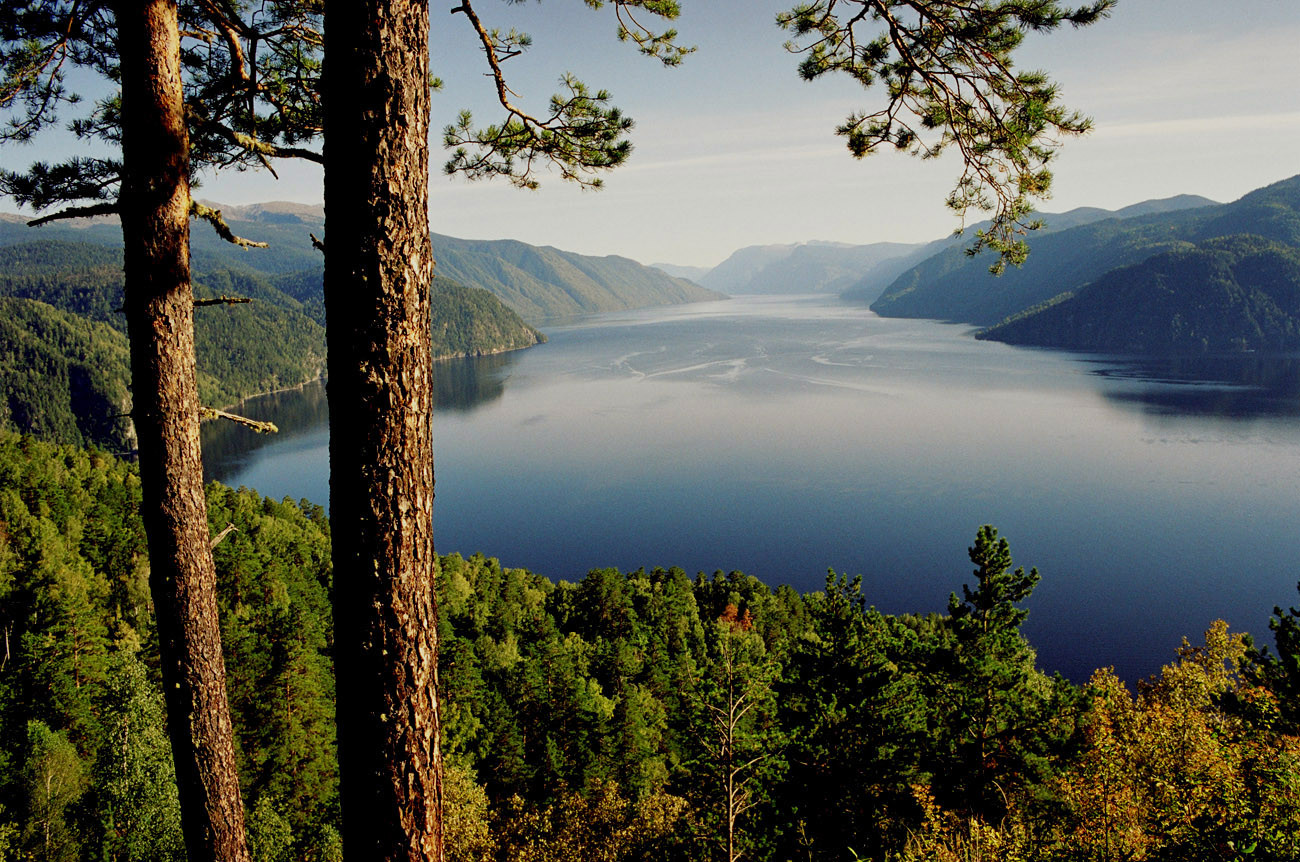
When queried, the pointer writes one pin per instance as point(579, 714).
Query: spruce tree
point(993, 694)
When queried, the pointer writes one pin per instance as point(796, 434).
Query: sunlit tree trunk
point(378, 272)
point(154, 205)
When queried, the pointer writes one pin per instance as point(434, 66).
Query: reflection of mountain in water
point(296, 412)
point(1234, 386)
point(464, 384)
point(459, 384)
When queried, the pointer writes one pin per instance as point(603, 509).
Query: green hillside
point(242, 349)
point(602, 720)
point(1231, 293)
point(537, 282)
point(470, 321)
point(63, 377)
point(938, 259)
point(543, 282)
point(65, 331)
point(955, 286)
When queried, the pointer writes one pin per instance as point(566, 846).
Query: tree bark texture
point(155, 203)
point(378, 272)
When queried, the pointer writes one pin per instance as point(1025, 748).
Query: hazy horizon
point(732, 149)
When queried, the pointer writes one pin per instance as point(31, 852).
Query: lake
point(782, 436)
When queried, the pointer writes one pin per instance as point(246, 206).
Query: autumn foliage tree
point(1172, 772)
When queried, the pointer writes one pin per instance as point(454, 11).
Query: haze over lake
point(782, 436)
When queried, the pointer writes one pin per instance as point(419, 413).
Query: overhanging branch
point(259, 427)
point(110, 208)
point(213, 217)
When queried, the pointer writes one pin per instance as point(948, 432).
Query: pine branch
point(259, 427)
point(582, 134)
point(108, 208)
point(221, 300)
point(947, 68)
point(213, 217)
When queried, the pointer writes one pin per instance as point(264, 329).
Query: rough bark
point(159, 309)
point(378, 272)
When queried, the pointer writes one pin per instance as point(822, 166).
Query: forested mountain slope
point(1232, 293)
point(954, 286)
point(942, 256)
point(582, 720)
point(535, 282)
point(275, 341)
point(541, 282)
point(63, 377)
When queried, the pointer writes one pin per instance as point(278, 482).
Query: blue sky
point(733, 149)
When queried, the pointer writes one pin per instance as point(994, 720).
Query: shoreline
point(447, 357)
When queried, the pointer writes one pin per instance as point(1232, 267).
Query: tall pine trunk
point(378, 272)
point(155, 202)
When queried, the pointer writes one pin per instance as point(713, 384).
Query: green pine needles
point(582, 134)
point(948, 70)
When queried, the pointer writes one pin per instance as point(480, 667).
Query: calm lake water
point(782, 436)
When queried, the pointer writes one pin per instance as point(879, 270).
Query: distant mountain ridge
point(1071, 249)
point(809, 267)
point(1231, 293)
point(538, 282)
point(690, 273)
point(541, 282)
point(1166, 279)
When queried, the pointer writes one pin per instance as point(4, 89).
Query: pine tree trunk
point(378, 271)
point(155, 202)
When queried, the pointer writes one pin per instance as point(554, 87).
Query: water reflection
point(1238, 387)
point(780, 437)
point(467, 384)
point(228, 447)
point(302, 413)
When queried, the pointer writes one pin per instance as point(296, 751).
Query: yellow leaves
point(946, 837)
point(465, 821)
point(1170, 767)
point(599, 825)
point(1202, 672)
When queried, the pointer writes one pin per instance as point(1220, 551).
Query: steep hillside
point(63, 367)
point(1072, 249)
point(544, 282)
point(1231, 293)
point(62, 377)
point(242, 349)
point(536, 282)
point(469, 321)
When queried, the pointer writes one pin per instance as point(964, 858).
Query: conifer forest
point(190, 671)
point(631, 716)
